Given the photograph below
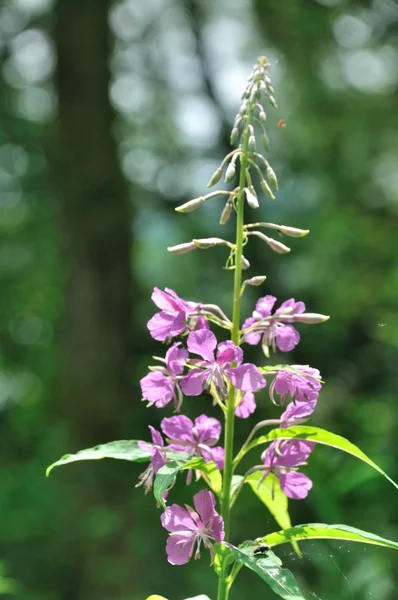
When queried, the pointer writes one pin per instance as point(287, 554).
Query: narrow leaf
point(319, 436)
point(269, 568)
point(313, 531)
point(121, 449)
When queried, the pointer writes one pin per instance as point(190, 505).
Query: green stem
point(223, 588)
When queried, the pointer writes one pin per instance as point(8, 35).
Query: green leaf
point(319, 436)
point(269, 568)
point(313, 531)
point(121, 449)
point(270, 494)
point(165, 477)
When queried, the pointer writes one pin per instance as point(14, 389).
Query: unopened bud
point(272, 177)
point(270, 89)
point(266, 189)
point(251, 199)
point(182, 248)
point(234, 136)
point(255, 281)
point(205, 243)
point(226, 213)
point(245, 263)
point(277, 246)
point(230, 173)
point(265, 141)
point(262, 116)
point(243, 107)
point(191, 205)
point(292, 231)
point(310, 318)
point(252, 143)
point(215, 177)
point(272, 101)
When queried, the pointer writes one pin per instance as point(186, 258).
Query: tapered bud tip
point(278, 246)
point(272, 101)
point(251, 199)
point(230, 172)
point(182, 248)
point(255, 281)
point(310, 318)
point(191, 205)
point(272, 177)
point(265, 141)
point(215, 177)
point(266, 189)
point(226, 213)
point(293, 231)
point(234, 136)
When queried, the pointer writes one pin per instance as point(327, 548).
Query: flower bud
point(230, 173)
point(265, 141)
point(215, 177)
point(245, 263)
point(272, 177)
point(310, 318)
point(262, 116)
point(272, 101)
point(251, 198)
point(266, 189)
point(278, 246)
point(191, 205)
point(234, 136)
point(226, 213)
point(255, 281)
point(182, 248)
point(270, 89)
point(292, 231)
point(205, 243)
point(252, 143)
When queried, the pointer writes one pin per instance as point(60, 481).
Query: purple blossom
point(215, 371)
point(199, 438)
point(282, 458)
point(161, 386)
point(189, 528)
point(158, 459)
point(297, 411)
point(246, 406)
point(173, 318)
point(302, 386)
point(273, 333)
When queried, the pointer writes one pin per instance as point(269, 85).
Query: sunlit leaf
point(156, 597)
point(121, 449)
point(269, 568)
point(313, 531)
point(319, 436)
point(165, 477)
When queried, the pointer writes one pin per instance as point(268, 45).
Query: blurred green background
point(88, 185)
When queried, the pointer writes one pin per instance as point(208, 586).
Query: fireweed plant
point(198, 363)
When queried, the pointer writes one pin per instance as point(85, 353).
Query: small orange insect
point(281, 123)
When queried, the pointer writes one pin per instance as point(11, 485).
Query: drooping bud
point(310, 318)
point(255, 281)
point(272, 101)
point(262, 116)
point(215, 177)
point(226, 213)
point(182, 248)
point(278, 246)
point(251, 198)
point(245, 263)
point(265, 141)
point(205, 243)
point(292, 231)
point(272, 177)
point(230, 173)
point(266, 189)
point(191, 205)
point(234, 136)
point(252, 143)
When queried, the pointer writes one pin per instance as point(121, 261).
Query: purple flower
point(158, 459)
point(273, 332)
point(299, 387)
point(297, 411)
point(246, 406)
point(189, 528)
point(175, 313)
point(161, 386)
point(215, 371)
point(199, 439)
point(282, 458)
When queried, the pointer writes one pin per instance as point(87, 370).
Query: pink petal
point(216, 454)
point(202, 342)
point(295, 485)
point(157, 388)
point(156, 436)
point(218, 528)
point(247, 377)
point(264, 306)
point(287, 338)
point(204, 503)
point(228, 352)
point(208, 430)
point(176, 518)
point(252, 337)
point(298, 410)
point(246, 407)
point(178, 428)
point(167, 300)
point(193, 383)
point(180, 548)
point(164, 325)
point(175, 359)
